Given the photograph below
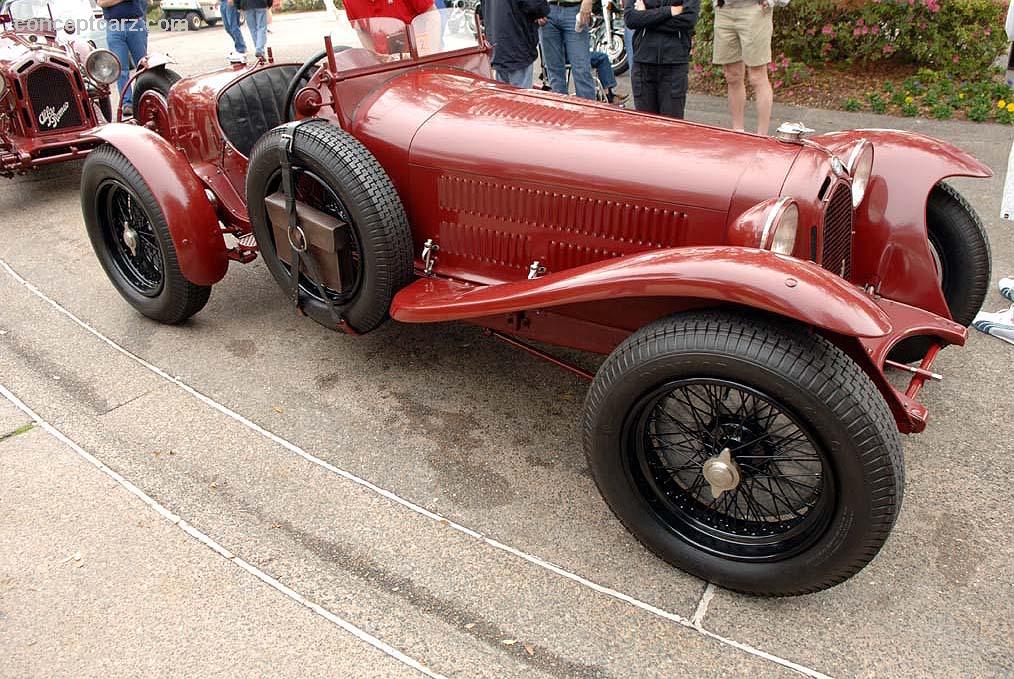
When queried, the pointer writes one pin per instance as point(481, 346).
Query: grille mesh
point(837, 255)
point(54, 99)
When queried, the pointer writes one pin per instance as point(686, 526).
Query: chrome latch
point(429, 256)
point(792, 132)
point(535, 270)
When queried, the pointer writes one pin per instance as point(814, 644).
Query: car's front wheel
point(131, 239)
point(961, 252)
point(747, 451)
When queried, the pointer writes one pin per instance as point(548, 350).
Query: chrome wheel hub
point(722, 473)
point(130, 239)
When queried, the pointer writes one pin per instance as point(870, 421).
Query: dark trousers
point(660, 88)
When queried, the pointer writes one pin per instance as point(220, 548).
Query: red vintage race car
point(53, 90)
point(749, 292)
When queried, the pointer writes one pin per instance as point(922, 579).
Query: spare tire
point(337, 175)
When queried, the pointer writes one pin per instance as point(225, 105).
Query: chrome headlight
point(103, 67)
point(781, 227)
point(860, 166)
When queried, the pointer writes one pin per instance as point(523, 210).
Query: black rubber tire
point(212, 22)
point(179, 299)
point(825, 389)
point(193, 20)
point(378, 217)
point(158, 79)
point(959, 238)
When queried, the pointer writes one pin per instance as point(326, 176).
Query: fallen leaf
point(509, 642)
point(214, 485)
point(469, 625)
point(76, 556)
point(529, 649)
point(278, 409)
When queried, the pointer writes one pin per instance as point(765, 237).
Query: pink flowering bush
point(958, 37)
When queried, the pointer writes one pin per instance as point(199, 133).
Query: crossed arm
point(666, 16)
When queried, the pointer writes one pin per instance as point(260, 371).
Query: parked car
point(751, 293)
point(192, 13)
point(54, 90)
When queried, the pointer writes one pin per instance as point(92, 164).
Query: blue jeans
point(628, 42)
point(257, 24)
point(600, 62)
point(562, 44)
point(522, 77)
point(127, 39)
point(230, 21)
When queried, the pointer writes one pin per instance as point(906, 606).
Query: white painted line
point(210, 542)
point(408, 504)
point(702, 606)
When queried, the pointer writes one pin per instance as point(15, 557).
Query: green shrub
point(851, 104)
point(910, 110)
point(949, 37)
point(942, 112)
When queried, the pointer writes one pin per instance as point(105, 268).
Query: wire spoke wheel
point(313, 191)
point(130, 238)
point(730, 469)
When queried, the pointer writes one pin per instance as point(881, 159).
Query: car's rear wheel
point(336, 175)
point(131, 239)
point(193, 20)
point(747, 451)
point(961, 251)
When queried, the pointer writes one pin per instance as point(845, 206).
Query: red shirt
point(406, 10)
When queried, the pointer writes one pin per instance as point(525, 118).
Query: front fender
point(891, 250)
point(192, 221)
point(753, 278)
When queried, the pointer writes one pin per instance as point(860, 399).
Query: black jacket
point(511, 27)
point(660, 37)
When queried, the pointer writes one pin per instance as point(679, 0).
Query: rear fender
point(753, 278)
point(891, 250)
point(193, 223)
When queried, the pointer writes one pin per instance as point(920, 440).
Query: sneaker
point(1007, 288)
point(999, 325)
point(237, 58)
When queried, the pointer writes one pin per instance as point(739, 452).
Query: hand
point(639, 5)
point(542, 21)
point(676, 10)
point(584, 17)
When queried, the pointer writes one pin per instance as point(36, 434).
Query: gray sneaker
point(999, 325)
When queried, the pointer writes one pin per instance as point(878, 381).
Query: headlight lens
point(781, 227)
point(860, 166)
point(103, 67)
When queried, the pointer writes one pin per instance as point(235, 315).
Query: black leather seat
point(253, 105)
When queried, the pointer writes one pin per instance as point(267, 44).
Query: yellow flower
point(909, 100)
point(1001, 104)
point(1010, 107)
point(961, 95)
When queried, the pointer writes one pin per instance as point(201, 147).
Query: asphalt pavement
point(252, 495)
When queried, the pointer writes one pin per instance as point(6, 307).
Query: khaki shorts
point(743, 33)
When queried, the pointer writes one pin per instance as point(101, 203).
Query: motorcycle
point(607, 34)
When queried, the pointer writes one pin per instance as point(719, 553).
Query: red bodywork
point(631, 216)
point(43, 76)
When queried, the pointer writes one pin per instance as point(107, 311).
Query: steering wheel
point(300, 79)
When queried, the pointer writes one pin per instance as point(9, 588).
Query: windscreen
point(382, 39)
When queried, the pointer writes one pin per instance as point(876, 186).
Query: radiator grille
point(837, 254)
point(54, 99)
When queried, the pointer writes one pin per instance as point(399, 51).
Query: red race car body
point(572, 223)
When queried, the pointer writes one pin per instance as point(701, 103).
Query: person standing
point(257, 24)
point(230, 21)
point(127, 38)
point(565, 39)
point(662, 39)
point(743, 48)
point(513, 29)
point(406, 10)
